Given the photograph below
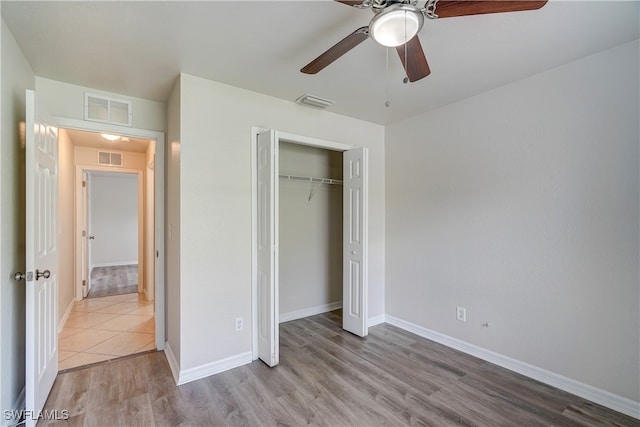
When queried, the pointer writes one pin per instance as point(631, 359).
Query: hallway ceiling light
point(110, 137)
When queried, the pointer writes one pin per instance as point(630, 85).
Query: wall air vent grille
point(107, 110)
point(109, 158)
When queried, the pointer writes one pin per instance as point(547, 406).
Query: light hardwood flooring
point(325, 377)
point(104, 328)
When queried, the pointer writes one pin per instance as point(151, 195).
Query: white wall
point(113, 218)
point(521, 204)
point(172, 223)
point(67, 100)
point(66, 224)
point(215, 208)
point(16, 77)
point(310, 274)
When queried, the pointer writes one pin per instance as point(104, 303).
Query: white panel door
point(41, 259)
point(355, 203)
point(267, 248)
point(84, 239)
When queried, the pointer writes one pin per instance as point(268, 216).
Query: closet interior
point(311, 241)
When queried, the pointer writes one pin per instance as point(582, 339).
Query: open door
point(41, 259)
point(84, 240)
point(267, 234)
point(355, 203)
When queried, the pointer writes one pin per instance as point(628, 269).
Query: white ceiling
point(139, 48)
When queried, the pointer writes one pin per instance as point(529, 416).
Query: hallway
point(106, 328)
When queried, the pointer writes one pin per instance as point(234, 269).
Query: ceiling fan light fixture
point(396, 25)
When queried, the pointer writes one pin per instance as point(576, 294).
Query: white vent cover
point(314, 101)
point(107, 110)
point(109, 158)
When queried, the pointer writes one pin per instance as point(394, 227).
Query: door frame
point(159, 224)
point(142, 260)
point(293, 139)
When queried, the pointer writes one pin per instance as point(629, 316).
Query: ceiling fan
point(396, 23)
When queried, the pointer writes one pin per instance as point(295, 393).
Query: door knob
point(19, 276)
point(92, 237)
point(46, 274)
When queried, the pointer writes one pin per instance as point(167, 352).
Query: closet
point(310, 230)
point(300, 243)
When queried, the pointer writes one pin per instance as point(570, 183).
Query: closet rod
point(312, 179)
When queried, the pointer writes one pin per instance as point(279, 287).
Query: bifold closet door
point(355, 205)
point(267, 247)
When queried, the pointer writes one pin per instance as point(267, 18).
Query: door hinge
point(84, 183)
point(84, 233)
point(84, 283)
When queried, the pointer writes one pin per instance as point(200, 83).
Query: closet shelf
point(312, 179)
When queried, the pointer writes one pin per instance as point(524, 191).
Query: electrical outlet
point(461, 314)
point(239, 323)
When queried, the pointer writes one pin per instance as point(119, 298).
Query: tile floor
point(106, 328)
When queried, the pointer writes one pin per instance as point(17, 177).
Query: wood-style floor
point(326, 377)
point(113, 280)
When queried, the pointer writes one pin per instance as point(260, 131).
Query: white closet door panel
point(267, 250)
point(355, 196)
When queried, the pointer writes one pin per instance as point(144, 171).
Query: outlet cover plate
point(461, 314)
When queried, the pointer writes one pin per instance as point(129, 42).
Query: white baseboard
point(312, 311)
point(65, 316)
point(376, 320)
point(173, 363)
point(112, 264)
point(213, 368)
point(599, 396)
point(203, 371)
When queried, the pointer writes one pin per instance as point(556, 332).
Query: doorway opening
point(266, 247)
point(310, 231)
point(109, 191)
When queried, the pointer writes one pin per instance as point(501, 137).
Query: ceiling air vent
point(314, 101)
point(109, 158)
point(107, 110)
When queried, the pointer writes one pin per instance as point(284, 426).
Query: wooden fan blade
point(451, 8)
point(350, 2)
point(335, 52)
point(415, 62)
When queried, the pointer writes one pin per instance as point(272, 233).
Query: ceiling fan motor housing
point(396, 24)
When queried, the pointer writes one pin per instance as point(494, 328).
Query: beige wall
point(215, 208)
point(16, 77)
point(172, 223)
point(149, 222)
point(522, 205)
point(67, 100)
point(66, 225)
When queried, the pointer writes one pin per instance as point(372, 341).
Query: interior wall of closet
point(310, 207)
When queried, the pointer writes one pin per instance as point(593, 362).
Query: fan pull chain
point(387, 103)
point(406, 60)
